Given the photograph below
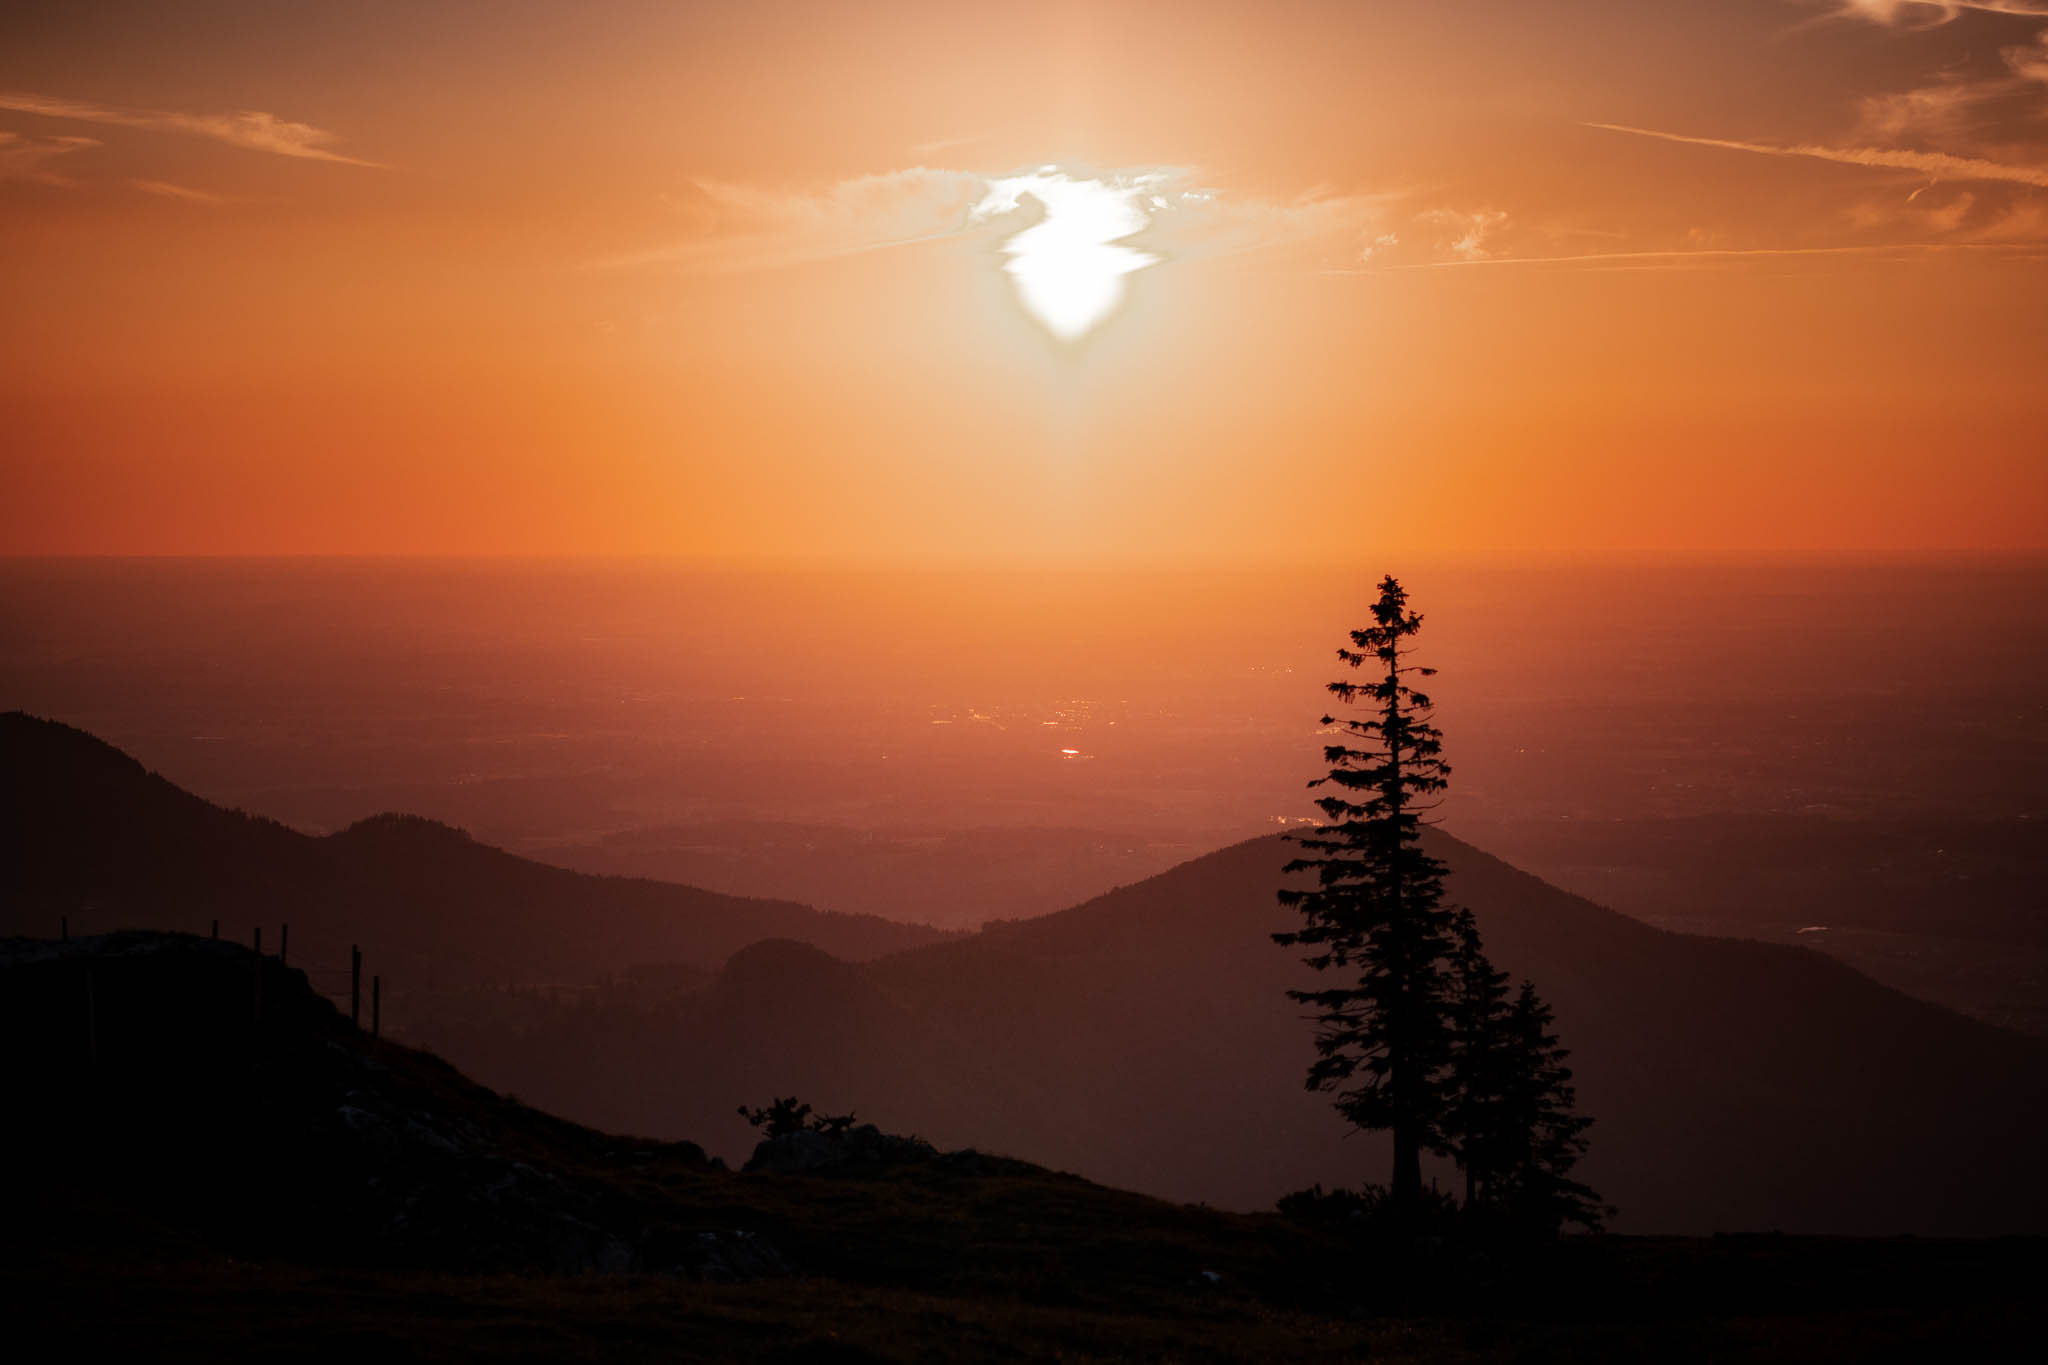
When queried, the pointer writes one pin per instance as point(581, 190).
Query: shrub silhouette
point(790, 1115)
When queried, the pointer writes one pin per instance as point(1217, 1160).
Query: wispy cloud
point(1199, 223)
point(924, 150)
point(1970, 133)
point(1467, 236)
point(2029, 61)
point(1169, 215)
point(1681, 256)
point(251, 129)
point(29, 158)
point(1947, 108)
point(1966, 101)
point(727, 227)
point(164, 189)
point(1928, 12)
point(1935, 165)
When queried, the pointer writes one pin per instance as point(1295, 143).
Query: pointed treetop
point(1393, 622)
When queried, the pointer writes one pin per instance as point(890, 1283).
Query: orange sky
point(1447, 275)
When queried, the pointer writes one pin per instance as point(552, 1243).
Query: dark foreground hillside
point(206, 1161)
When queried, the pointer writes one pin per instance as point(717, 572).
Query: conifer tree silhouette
point(1478, 1122)
point(1373, 915)
point(1530, 1184)
point(1510, 1117)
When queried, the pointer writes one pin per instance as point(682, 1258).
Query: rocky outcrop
point(862, 1148)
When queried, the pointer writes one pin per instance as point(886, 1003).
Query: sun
point(1069, 265)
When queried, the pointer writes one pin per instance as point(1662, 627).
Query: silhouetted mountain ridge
point(91, 834)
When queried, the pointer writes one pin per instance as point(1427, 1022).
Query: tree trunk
point(1406, 1191)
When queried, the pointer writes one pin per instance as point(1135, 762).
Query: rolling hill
point(1143, 1039)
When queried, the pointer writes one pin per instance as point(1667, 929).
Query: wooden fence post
point(216, 928)
point(284, 943)
point(92, 1020)
point(376, 1006)
point(355, 985)
point(259, 940)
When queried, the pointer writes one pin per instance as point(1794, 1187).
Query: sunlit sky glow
point(1201, 281)
point(1068, 266)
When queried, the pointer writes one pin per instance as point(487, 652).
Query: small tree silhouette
point(1510, 1122)
point(1542, 1134)
point(1477, 1121)
point(1382, 1038)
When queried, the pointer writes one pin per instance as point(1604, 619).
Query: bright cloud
point(1069, 238)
